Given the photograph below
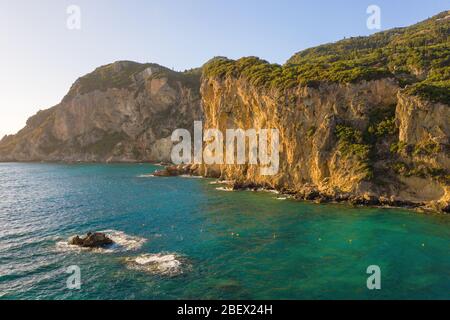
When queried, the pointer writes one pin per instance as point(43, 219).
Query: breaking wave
point(221, 182)
point(146, 176)
point(169, 264)
point(191, 177)
point(228, 189)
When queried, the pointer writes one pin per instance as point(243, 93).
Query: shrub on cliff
point(418, 55)
point(351, 142)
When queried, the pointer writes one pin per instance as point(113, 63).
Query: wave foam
point(190, 177)
point(268, 190)
point(225, 189)
point(122, 242)
point(221, 182)
point(146, 176)
point(158, 263)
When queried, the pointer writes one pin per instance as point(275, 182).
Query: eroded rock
point(91, 240)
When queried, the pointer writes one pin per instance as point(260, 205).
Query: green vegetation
point(362, 145)
point(351, 144)
point(381, 124)
point(421, 170)
point(383, 128)
point(418, 56)
point(398, 147)
point(427, 148)
point(434, 91)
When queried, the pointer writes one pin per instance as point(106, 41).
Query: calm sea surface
point(204, 243)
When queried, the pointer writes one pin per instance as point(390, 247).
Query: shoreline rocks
point(309, 192)
point(176, 170)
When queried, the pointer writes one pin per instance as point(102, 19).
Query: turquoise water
point(231, 245)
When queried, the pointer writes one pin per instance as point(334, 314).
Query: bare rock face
point(399, 154)
point(91, 240)
point(121, 112)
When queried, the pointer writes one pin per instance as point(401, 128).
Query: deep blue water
point(230, 244)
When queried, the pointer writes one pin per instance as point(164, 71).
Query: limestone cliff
point(357, 121)
point(124, 111)
point(332, 143)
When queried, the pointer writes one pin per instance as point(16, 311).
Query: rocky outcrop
point(123, 111)
point(176, 170)
point(91, 240)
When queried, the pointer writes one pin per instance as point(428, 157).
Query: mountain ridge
point(108, 109)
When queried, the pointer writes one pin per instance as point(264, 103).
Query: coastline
point(307, 193)
point(155, 163)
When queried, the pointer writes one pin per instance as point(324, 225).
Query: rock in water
point(91, 240)
point(177, 170)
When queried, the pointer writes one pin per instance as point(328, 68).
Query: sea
point(192, 238)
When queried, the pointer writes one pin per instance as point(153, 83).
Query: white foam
point(122, 242)
point(64, 246)
point(221, 182)
point(158, 263)
point(146, 176)
point(227, 189)
point(125, 241)
point(268, 190)
point(190, 177)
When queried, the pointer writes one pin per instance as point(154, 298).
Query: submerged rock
point(91, 240)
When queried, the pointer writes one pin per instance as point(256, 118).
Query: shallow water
point(227, 244)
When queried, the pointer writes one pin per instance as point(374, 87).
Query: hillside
point(124, 111)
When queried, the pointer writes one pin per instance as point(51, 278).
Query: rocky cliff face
point(124, 111)
point(364, 120)
point(365, 142)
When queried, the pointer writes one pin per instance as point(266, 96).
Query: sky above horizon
point(41, 57)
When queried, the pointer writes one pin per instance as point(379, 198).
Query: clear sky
point(40, 57)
